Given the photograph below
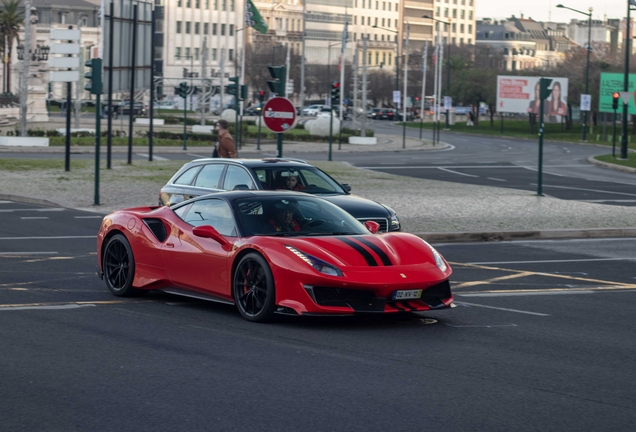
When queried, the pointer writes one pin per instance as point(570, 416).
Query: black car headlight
point(316, 263)
point(394, 221)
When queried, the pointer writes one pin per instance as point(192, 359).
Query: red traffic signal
point(615, 97)
point(335, 85)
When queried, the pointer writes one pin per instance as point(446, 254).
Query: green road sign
point(613, 82)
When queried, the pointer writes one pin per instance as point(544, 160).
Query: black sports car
point(204, 176)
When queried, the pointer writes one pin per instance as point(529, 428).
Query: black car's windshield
point(307, 179)
point(294, 216)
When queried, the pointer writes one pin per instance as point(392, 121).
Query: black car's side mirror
point(346, 186)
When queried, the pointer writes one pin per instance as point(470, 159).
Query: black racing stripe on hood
point(362, 251)
point(383, 256)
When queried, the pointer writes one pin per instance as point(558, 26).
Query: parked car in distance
point(462, 110)
point(254, 110)
point(312, 110)
point(164, 105)
point(212, 175)
point(326, 111)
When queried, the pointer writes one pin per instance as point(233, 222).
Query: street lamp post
point(397, 56)
point(587, 64)
point(448, 61)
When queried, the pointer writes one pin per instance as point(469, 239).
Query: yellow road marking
point(489, 281)
point(528, 273)
point(99, 302)
point(547, 290)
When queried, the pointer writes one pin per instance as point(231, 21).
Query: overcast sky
point(540, 10)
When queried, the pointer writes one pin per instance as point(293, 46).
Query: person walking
point(225, 147)
point(471, 118)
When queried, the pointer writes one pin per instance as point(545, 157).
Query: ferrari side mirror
point(207, 231)
point(346, 186)
point(372, 226)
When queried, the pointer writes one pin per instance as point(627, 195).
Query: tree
point(11, 19)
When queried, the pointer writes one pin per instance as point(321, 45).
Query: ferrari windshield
point(294, 216)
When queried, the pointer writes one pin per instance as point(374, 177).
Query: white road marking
point(554, 261)
point(496, 179)
point(477, 166)
point(199, 156)
point(89, 217)
point(585, 189)
point(520, 294)
point(159, 158)
point(33, 217)
point(457, 172)
point(608, 200)
point(6, 202)
point(28, 253)
point(68, 306)
point(482, 326)
point(49, 238)
point(503, 309)
point(52, 209)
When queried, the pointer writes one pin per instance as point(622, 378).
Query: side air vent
point(157, 227)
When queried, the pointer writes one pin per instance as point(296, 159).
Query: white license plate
point(407, 294)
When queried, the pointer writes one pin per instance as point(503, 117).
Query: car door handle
point(169, 245)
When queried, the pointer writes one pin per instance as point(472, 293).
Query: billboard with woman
point(520, 94)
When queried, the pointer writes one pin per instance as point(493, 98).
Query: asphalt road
point(541, 339)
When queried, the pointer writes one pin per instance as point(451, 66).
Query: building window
point(223, 4)
point(214, 29)
point(461, 28)
point(178, 3)
point(376, 21)
point(188, 25)
point(231, 54)
point(382, 22)
point(207, 4)
point(377, 57)
point(177, 53)
point(197, 4)
point(453, 40)
point(377, 5)
point(196, 53)
point(375, 37)
point(390, 59)
point(437, 11)
point(470, 28)
point(178, 26)
point(446, 12)
point(370, 58)
point(454, 26)
point(206, 28)
point(187, 53)
point(231, 29)
point(395, 23)
point(383, 58)
point(197, 27)
point(232, 5)
point(470, 41)
point(216, 4)
point(470, 15)
point(470, 2)
point(222, 29)
point(454, 13)
point(461, 41)
point(213, 54)
point(462, 14)
point(188, 3)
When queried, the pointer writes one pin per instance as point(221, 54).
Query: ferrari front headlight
point(316, 263)
point(439, 261)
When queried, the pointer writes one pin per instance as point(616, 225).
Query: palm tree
point(11, 20)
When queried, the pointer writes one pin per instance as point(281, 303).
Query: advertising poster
point(614, 82)
point(520, 95)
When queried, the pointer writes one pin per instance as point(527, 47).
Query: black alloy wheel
point(119, 267)
point(253, 288)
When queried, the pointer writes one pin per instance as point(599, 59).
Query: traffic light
point(545, 92)
point(277, 85)
point(335, 93)
point(93, 76)
point(615, 97)
point(244, 89)
point(232, 89)
point(261, 96)
point(182, 90)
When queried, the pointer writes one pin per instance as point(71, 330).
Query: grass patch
point(630, 162)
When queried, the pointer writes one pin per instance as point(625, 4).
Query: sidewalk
point(268, 147)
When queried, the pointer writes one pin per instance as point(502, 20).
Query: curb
point(440, 237)
point(612, 166)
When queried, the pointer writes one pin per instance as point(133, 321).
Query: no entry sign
point(279, 114)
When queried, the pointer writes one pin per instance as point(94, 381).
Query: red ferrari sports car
point(270, 252)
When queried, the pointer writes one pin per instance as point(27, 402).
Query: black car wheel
point(119, 267)
point(253, 288)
